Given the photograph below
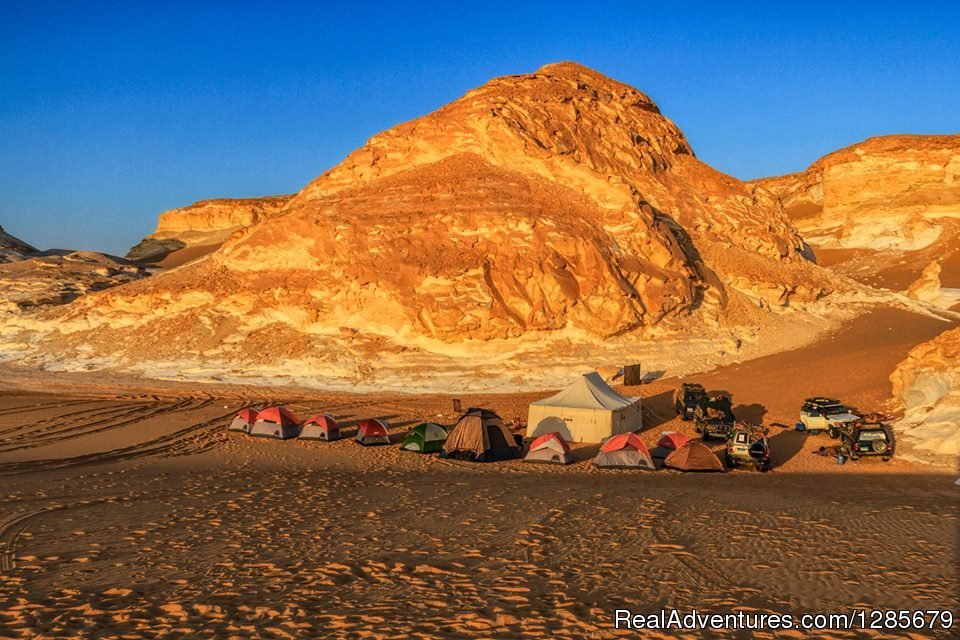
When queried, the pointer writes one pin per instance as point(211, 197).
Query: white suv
point(825, 414)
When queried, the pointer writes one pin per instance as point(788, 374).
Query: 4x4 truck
point(867, 439)
point(826, 414)
point(713, 416)
point(748, 444)
point(686, 399)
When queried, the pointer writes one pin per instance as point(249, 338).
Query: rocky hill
point(206, 223)
point(503, 235)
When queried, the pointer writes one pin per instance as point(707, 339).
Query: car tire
point(887, 458)
point(834, 433)
point(814, 432)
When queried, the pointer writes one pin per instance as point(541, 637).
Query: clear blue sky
point(111, 112)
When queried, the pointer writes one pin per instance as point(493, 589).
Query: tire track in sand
point(140, 413)
point(195, 438)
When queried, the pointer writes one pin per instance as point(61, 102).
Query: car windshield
point(834, 409)
point(870, 436)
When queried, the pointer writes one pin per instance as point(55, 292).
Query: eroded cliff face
point(928, 385)
point(559, 206)
point(208, 222)
point(897, 192)
point(536, 201)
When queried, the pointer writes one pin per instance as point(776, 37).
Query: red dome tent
point(244, 420)
point(276, 422)
point(624, 451)
point(669, 441)
point(372, 431)
point(549, 448)
point(321, 427)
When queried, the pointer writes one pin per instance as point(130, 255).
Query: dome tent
point(694, 456)
point(321, 427)
point(624, 451)
point(549, 448)
point(276, 422)
point(481, 436)
point(669, 442)
point(244, 420)
point(371, 432)
point(426, 437)
point(586, 411)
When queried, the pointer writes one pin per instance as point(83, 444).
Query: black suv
point(867, 439)
point(687, 397)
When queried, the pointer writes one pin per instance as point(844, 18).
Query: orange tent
point(244, 420)
point(624, 451)
point(276, 422)
point(694, 456)
point(550, 447)
point(669, 441)
point(372, 431)
point(321, 427)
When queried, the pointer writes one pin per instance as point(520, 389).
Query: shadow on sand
point(785, 445)
point(658, 410)
point(752, 413)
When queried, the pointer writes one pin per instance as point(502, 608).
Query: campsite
point(225, 531)
point(479, 321)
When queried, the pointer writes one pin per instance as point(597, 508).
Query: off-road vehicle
point(825, 414)
point(686, 399)
point(748, 444)
point(714, 416)
point(867, 439)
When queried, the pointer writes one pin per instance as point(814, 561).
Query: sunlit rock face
point(897, 192)
point(208, 222)
point(928, 385)
point(557, 205)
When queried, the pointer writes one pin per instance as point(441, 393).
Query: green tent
point(426, 437)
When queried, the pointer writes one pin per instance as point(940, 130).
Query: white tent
point(586, 411)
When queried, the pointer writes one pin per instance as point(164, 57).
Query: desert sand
point(129, 511)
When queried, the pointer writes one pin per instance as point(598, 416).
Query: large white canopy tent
point(586, 411)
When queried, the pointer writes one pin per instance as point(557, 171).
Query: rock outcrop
point(928, 385)
point(204, 223)
point(13, 249)
point(559, 205)
point(899, 192)
point(31, 279)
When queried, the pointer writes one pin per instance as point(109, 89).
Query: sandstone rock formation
point(204, 223)
point(32, 279)
point(929, 288)
point(893, 192)
point(928, 385)
point(559, 205)
point(13, 249)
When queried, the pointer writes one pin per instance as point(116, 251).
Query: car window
point(741, 438)
point(869, 436)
